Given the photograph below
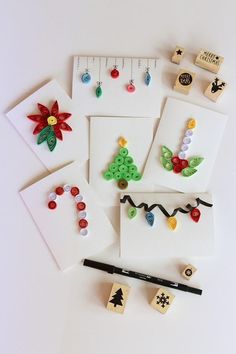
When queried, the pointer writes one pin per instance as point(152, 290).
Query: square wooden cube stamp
point(162, 300)
point(118, 297)
point(209, 61)
point(215, 89)
point(184, 81)
point(188, 271)
point(178, 55)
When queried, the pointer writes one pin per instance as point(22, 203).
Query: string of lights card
point(117, 86)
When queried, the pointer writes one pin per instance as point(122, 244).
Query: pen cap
point(98, 265)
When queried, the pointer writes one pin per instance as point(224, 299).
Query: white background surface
point(46, 312)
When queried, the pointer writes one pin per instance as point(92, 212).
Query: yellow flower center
point(52, 120)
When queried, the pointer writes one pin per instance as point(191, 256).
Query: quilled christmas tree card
point(119, 148)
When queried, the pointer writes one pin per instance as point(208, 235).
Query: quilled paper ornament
point(131, 87)
point(150, 218)
point(172, 222)
point(132, 212)
point(147, 77)
point(50, 124)
point(86, 77)
point(115, 72)
point(80, 205)
point(179, 163)
point(122, 169)
point(195, 214)
point(99, 89)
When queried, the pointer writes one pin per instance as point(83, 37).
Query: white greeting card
point(115, 99)
point(204, 142)
point(74, 145)
point(104, 148)
point(190, 238)
point(59, 227)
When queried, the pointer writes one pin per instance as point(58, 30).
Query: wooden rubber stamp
point(209, 61)
point(188, 271)
point(118, 297)
point(178, 55)
point(162, 300)
point(184, 81)
point(215, 89)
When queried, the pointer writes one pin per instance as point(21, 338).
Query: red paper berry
point(74, 191)
point(83, 223)
point(115, 73)
point(59, 190)
point(81, 206)
point(177, 168)
point(175, 160)
point(184, 163)
point(52, 205)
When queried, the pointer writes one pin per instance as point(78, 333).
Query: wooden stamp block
point(178, 55)
point(118, 297)
point(188, 271)
point(162, 300)
point(209, 61)
point(184, 81)
point(215, 89)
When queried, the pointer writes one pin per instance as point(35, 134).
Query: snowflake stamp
point(162, 300)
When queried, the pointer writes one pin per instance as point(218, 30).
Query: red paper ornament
point(195, 214)
point(115, 73)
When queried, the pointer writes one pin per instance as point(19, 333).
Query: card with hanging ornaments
point(118, 152)
point(117, 86)
point(185, 147)
point(166, 224)
point(49, 123)
point(68, 216)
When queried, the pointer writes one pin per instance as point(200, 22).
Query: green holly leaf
point(166, 153)
point(188, 171)
point(43, 134)
point(167, 164)
point(195, 161)
point(51, 140)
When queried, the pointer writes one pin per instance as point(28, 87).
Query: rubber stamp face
point(185, 79)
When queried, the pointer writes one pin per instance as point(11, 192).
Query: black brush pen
point(149, 278)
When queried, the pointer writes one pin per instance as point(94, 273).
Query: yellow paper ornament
point(122, 142)
point(172, 222)
point(192, 123)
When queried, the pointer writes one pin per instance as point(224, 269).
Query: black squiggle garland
point(164, 211)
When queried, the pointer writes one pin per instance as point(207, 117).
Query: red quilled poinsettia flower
point(50, 124)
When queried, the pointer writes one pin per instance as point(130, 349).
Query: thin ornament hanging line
point(99, 82)
point(194, 212)
point(147, 76)
point(86, 77)
point(80, 205)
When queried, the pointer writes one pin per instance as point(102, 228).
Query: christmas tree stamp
point(118, 297)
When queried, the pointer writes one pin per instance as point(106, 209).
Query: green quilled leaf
point(195, 161)
point(51, 140)
point(43, 135)
point(167, 164)
point(188, 171)
point(166, 153)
